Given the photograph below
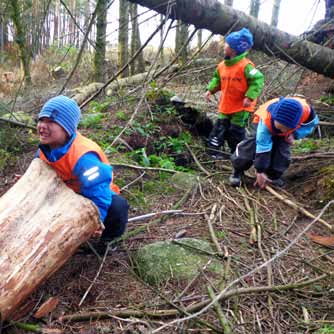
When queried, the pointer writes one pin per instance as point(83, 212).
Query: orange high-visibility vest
point(234, 85)
point(265, 115)
point(65, 165)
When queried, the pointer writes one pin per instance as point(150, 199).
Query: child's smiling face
point(51, 133)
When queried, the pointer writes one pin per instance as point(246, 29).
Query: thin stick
point(220, 314)
point(297, 207)
point(210, 221)
point(196, 160)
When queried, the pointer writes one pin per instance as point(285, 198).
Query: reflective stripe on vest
point(65, 165)
point(234, 85)
point(265, 115)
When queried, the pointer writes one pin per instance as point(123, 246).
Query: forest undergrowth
point(160, 163)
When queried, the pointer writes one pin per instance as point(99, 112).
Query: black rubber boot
point(236, 178)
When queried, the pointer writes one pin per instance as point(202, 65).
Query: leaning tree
point(218, 18)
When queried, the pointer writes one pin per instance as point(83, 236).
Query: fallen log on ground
point(42, 223)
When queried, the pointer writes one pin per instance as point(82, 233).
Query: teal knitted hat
point(64, 111)
point(287, 111)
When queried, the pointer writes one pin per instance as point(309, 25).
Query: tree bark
point(275, 13)
point(329, 9)
point(56, 23)
point(218, 18)
point(138, 66)
point(42, 222)
point(101, 29)
point(228, 3)
point(199, 39)
point(254, 8)
point(123, 36)
point(20, 39)
point(180, 39)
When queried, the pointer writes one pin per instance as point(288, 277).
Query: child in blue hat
point(81, 164)
point(275, 126)
point(240, 84)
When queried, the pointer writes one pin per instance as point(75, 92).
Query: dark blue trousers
point(117, 218)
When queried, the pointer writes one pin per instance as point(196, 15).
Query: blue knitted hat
point(287, 111)
point(64, 111)
point(240, 41)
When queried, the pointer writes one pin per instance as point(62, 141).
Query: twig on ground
point(197, 161)
point(220, 314)
point(297, 207)
point(211, 220)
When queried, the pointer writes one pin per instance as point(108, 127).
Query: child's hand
point(262, 180)
point(247, 102)
point(208, 96)
point(290, 139)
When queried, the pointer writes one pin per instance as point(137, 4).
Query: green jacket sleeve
point(255, 80)
point(214, 84)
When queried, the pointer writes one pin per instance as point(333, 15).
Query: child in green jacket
point(240, 84)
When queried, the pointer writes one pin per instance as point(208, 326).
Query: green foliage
point(327, 329)
point(327, 99)
point(121, 115)
point(144, 129)
point(221, 234)
point(158, 96)
point(178, 144)
point(306, 145)
point(94, 115)
point(97, 107)
point(13, 142)
point(93, 121)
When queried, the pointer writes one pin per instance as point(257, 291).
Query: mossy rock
point(184, 181)
point(165, 260)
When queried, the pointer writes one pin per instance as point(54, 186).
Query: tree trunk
point(214, 16)
point(162, 52)
point(138, 65)
point(180, 39)
point(123, 37)
point(42, 223)
point(101, 29)
point(275, 13)
point(199, 39)
point(20, 39)
point(56, 23)
point(329, 10)
point(254, 8)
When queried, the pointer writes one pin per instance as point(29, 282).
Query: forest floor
point(119, 301)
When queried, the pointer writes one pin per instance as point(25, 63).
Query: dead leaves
point(321, 240)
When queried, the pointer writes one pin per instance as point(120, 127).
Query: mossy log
point(42, 223)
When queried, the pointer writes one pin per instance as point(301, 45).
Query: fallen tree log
point(42, 223)
point(219, 19)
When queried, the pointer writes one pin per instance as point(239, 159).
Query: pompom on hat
point(240, 41)
point(286, 111)
point(64, 111)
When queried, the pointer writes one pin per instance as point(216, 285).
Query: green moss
point(165, 260)
point(327, 183)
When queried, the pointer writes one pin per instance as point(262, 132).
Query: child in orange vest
point(276, 124)
point(240, 84)
point(81, 164)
